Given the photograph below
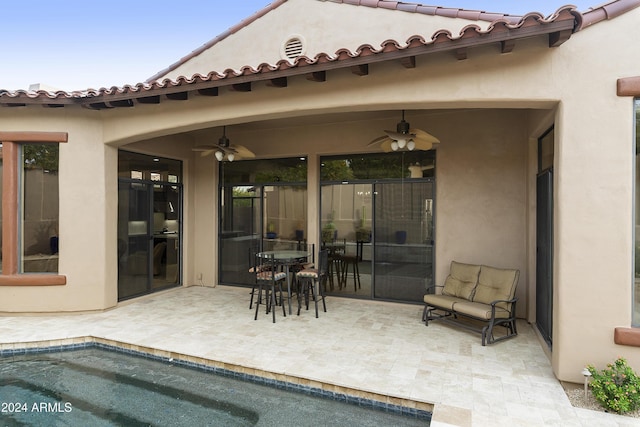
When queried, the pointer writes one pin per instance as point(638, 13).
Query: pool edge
point(378, 401)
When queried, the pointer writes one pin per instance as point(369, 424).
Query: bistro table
point(287, 258)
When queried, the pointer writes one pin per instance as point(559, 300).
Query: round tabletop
point(285, 255)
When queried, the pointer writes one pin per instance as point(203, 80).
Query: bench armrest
point(509, 301)
point(433, 287)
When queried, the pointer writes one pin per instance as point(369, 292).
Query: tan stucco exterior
point(488, 112)
point(320, 26)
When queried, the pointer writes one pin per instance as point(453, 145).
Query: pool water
point(97, 387)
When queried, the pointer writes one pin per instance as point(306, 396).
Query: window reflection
point(1, 172)
point(40, 208)
point(636, 288)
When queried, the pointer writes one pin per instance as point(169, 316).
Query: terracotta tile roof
point(448, 12)
point(558, 27)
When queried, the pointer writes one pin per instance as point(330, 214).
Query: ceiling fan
point(405, 138)
point(224, 149)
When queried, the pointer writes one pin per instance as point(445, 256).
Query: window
point(39, 194)
point(636, 278)
point(30, 208)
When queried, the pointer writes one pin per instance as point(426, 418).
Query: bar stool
point(309, 279)
point(352, 260)
point(269, 279)
point(335, 251)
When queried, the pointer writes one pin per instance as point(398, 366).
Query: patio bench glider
point(477, 292)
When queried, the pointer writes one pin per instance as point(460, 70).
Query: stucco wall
point(88, 197)
point(482, 193)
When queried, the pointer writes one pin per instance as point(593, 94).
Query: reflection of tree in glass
point(40, 156)
point(374, 165)
point(336, 170)
point(298, 173)
point(242, 196)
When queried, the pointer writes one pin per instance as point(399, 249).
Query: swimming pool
point(100, 387)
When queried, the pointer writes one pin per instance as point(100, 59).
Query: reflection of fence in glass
point(285, 211)
point(40, 208)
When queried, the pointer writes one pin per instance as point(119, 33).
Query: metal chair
point(312, 278)
point(269, 279)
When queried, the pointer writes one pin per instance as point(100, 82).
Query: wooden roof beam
point(360, 70)
point(559, 37)
point(278, 82)
point(317, 76)
point(149, 99)
point(507, 46)
point(241, 87)
point(408, 62)
point(121, 103)
point(209, 91)
point(178, 96)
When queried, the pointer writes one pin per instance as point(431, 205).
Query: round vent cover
point(293, 48)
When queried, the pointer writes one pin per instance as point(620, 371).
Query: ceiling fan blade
point(206, 153)
point(378, 140)
point(423, 136)
point(204, 148)
point(397, 135)
point(243, 152)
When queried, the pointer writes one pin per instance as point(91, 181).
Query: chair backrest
point(323, 262)
point(496, 284)
point(264, 267)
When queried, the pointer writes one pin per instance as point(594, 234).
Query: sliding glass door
point(263, 205)
point(377, 217)
point(403, 248)
point(149, 232)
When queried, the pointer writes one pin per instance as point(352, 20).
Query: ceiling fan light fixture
point(405, 138)
point(219, 155)
point(230, 157)
point(403, 126)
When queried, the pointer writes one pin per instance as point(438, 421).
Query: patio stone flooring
point(378, 350)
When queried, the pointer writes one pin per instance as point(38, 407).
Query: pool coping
point(372, 400)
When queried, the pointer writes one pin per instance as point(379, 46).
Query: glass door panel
point(403, 240)
point(346, 217)
point(149, 250)
point(166, 236)
point(133, 239)
point(149, 218)
point(240, 233)
point(261, 217)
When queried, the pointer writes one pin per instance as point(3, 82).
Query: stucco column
point(313, 198)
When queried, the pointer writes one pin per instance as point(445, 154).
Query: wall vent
point(293, 48)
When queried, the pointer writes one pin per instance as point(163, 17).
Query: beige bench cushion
point(479, 310)
point(496, 284)
point(462, 280)
point(442, 301)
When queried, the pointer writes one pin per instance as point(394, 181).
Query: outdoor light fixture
point(586, 374)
